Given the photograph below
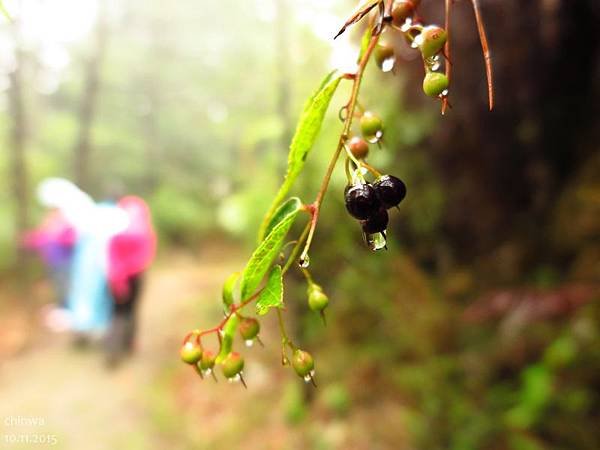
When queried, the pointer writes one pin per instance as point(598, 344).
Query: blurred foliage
point(188, 118)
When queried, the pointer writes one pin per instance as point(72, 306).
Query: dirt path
point(52, 392)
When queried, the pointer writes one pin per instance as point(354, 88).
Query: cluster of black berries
point(369, 202)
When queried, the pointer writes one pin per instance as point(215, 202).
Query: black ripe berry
point(361, 201)
point(376, 223)
point(390, 190)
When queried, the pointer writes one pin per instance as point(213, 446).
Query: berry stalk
point(350, 107)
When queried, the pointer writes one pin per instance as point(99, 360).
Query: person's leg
point(135, 287)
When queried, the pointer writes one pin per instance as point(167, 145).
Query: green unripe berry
point(303, 363)
point(431, 40)
point(232, 365)
point(208, 360)
point(317, 300)
point(249, 328)
point(371, 127)
point(435, 84)
point(358, 147)
point(190, 352)
point(385, 57)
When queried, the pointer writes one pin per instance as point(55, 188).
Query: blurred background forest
point(478, 329)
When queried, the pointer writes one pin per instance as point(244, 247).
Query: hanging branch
point(487, 57)
point(447, 51)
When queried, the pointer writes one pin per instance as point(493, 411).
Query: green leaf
point(263, 256)
point(364, 42)
point(272, 295)
point(228, 290)
point(228, 336)
point(290, 206)
point(304, 139)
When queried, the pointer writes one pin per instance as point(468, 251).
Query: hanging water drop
point(435, 66)
point(376, 241)
point(304, 261)
point(307, 378)
point(249, 342)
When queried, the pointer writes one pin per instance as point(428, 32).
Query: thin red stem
point(447, 51)
point(486, 52)
point(351, 105)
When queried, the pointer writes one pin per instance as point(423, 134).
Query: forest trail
point(80, 404)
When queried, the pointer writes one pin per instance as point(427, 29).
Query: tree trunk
point(89, 102)
point(18, 137)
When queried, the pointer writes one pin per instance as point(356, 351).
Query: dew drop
point(374, 139)
point(435, 66)
point(417, 41)
point(206, 372)
point(376, 241)
point(307, 378)
point(388, 64)
point(304, 261)
point(444, 93)
point(249, 342)
point(234, 379)
point(406, 25)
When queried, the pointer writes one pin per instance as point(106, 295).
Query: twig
point(346, 131)
point(486, 52)
point(447, 52)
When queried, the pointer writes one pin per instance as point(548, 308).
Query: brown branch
point(447, 51)
point(486, 52)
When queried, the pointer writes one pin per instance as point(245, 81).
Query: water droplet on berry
point(374, 139)
point(206, 372)
point(376, 241)
point(444, 93)
point(304, 261)
point(307, 378)
point(388, 64)
point(249, 342)
point(435, 66)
